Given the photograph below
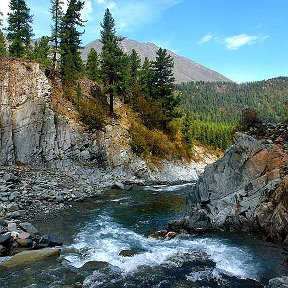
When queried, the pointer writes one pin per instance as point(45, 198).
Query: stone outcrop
point(31, 132)
point(245, 190)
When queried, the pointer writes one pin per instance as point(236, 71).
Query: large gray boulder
point(245, 190)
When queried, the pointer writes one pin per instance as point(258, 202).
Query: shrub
point(92, 113)
point(149, 143)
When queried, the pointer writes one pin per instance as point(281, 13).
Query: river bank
point(95, 232)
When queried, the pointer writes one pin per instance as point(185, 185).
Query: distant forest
point(223, 102)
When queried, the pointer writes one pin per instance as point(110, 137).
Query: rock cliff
point(245, 190)
point(32, 132)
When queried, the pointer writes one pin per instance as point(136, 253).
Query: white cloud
point(133, 13)
point(87, 11)
point(237, 41)
point(65, 5)
point(4, 8)
point(205, 39)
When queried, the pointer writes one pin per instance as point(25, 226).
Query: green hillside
point(224, 101)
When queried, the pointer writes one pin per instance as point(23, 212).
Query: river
point(94, 233)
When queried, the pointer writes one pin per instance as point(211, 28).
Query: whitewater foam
point(103, 240)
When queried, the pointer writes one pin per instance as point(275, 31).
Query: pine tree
point(146, 78)
point(3, 50)
point(92, 65)
point(112, 60)
point(57, 14)
point(135, 65)
point(71, 63)
point(19, 28)
point(41, 52)
point(163, 82)
point(1, 20)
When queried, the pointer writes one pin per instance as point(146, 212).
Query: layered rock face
point(31, 132)
point(245, 190)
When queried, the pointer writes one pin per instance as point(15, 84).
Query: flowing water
point(96, 231)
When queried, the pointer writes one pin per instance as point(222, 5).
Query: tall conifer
point(41, 52)
point(135, 65)
point(71, 62)
point(112, 60)
point(163, 82)
point(57, 14)
point(3, 50)
point(92, 65)
point(19, 28)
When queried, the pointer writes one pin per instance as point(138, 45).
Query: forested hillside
point(224, 102)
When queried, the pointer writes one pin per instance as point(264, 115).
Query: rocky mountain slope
point(33, 133)
point(185, 70)
point(245, 190)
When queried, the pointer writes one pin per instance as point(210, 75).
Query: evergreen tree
point(112, 61)
point(71, 63)
point(57, 14)
point(146, 78)
point(135, 65)
point(92, 65)
point(41, 52)
point(163, 82)
point(1, 20)
point(19, 28)
point(3, 50)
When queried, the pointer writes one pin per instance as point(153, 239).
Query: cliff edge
point(33, 132)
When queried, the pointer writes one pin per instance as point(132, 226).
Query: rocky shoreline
point(26, 191)
point(27, 194)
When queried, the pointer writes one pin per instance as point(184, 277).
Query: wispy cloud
point(233, 42)
point(205, 39)
point(87, 11)
point(135, 13)
point(237, 41)
point(4, 8)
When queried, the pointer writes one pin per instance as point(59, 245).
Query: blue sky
point(246, 40)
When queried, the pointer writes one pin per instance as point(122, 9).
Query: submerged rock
point(163, 235)
point(29, 256)
point(129, 253)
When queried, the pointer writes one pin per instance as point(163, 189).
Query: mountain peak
point(185, 70)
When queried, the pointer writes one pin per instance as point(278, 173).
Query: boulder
point(49, 241)
point(160, 234)
point(4, 238)
point(12, 226)
point(3, 229)
point(245, 190)
point(170, 235)
point(280, 282)
point(29, 256)
point(24, 235)
point(129, 253)
point(28, 227)
point(3, 251)
point(25, 242)
point(9, 177)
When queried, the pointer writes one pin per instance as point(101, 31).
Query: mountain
point(223, 102)
point(185, 70)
